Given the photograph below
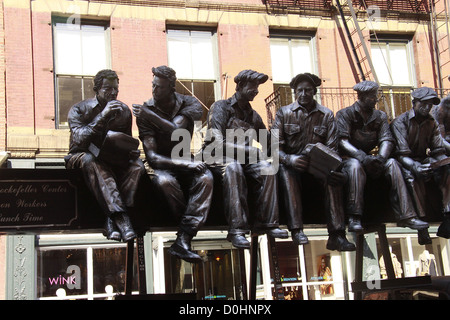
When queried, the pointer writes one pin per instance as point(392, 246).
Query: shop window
point(393, 64)
point(217, 277)
point(290, 270)
point(82, 272)
point(290, 55)
point(80, 51)
point(324, 272)
point(310, 272)
point(193, 55)
point(410, 259)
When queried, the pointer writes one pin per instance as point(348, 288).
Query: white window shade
point(281, 61)
point(190, 54)
point(301, 57)
point(392, 64)
point(93, 49)
point(289, 58)
point(399, 64)
point(79, 49)
point(380, 63)
point(68, 58)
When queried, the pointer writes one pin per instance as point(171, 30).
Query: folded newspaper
point(323, 160)
point(116, 148)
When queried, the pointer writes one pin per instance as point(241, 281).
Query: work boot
point(423, 236)
point(298, 237)
point(277, 233)
point(182, 248)
point(238, 241)
point(354, 223)
point(444, 229)
point(413, 223)
point(122, 221)
point(273, 232)
point(110, 231)
point(338, 241)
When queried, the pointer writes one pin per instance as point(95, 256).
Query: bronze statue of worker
point(242, 177)
point(362, 129)
point(157, 119)
point(420, 150)
point(112, 174)
point(441, 113)
point(299, 127)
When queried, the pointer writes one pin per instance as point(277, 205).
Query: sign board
point(37, 203)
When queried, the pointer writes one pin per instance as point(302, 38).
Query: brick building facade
point(280, 38)
point(137, 36)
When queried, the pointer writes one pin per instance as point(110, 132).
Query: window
point(217, 277)
point(80, 51)
point(192, 54)
point(290, 56)
point(82, 272)
point(392, 61)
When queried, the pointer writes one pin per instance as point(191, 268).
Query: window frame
point(304, 35)
point(82, 21)
point(215, 58)
point(394, 92)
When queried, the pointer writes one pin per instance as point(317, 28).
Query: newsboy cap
point(251, 76)
point(426, 93)
point(366, 86)
point(311, 78)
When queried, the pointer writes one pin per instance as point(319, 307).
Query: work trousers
point(114, 187)
point(291, 187)
point(191, 210)
point(399, 198)
point(418, 189)
point(242, 181)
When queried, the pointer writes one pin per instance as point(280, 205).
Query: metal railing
point(394, 101)
point(407, 6)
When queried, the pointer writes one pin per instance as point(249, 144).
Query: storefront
point(89, 267)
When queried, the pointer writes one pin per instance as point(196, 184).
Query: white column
point(158, 265)
point(338, 278)
point(265, 267)
point(445, 254)
point(90, 274)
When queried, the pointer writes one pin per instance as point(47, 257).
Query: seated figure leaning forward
point(157, 120)
point(300, 127)
point(249, 175)
point(421, 152)
point(112, 174)
point(441, 114)
point(362, 129)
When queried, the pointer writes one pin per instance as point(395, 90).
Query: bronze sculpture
point(416, 133)
point(243, 178)
point(441, 113)
point(157, 119)
point(361, 129)
point(300, 126)
point(112, 180)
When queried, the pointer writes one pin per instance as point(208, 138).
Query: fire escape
point(350, 13)
point(439, 20)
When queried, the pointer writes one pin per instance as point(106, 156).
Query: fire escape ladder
point(356, 39)
point(439, 20)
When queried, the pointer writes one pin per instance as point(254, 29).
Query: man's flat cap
point(426, 93)
point(251, 76)
point(311, 78)
point(366, 86)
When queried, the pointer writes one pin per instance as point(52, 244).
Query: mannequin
point(395, 263)
point(427, 264)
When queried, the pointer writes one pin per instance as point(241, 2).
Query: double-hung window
point(193, 55)
point(80, 51)
point(393, 63)
point(290, 55)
